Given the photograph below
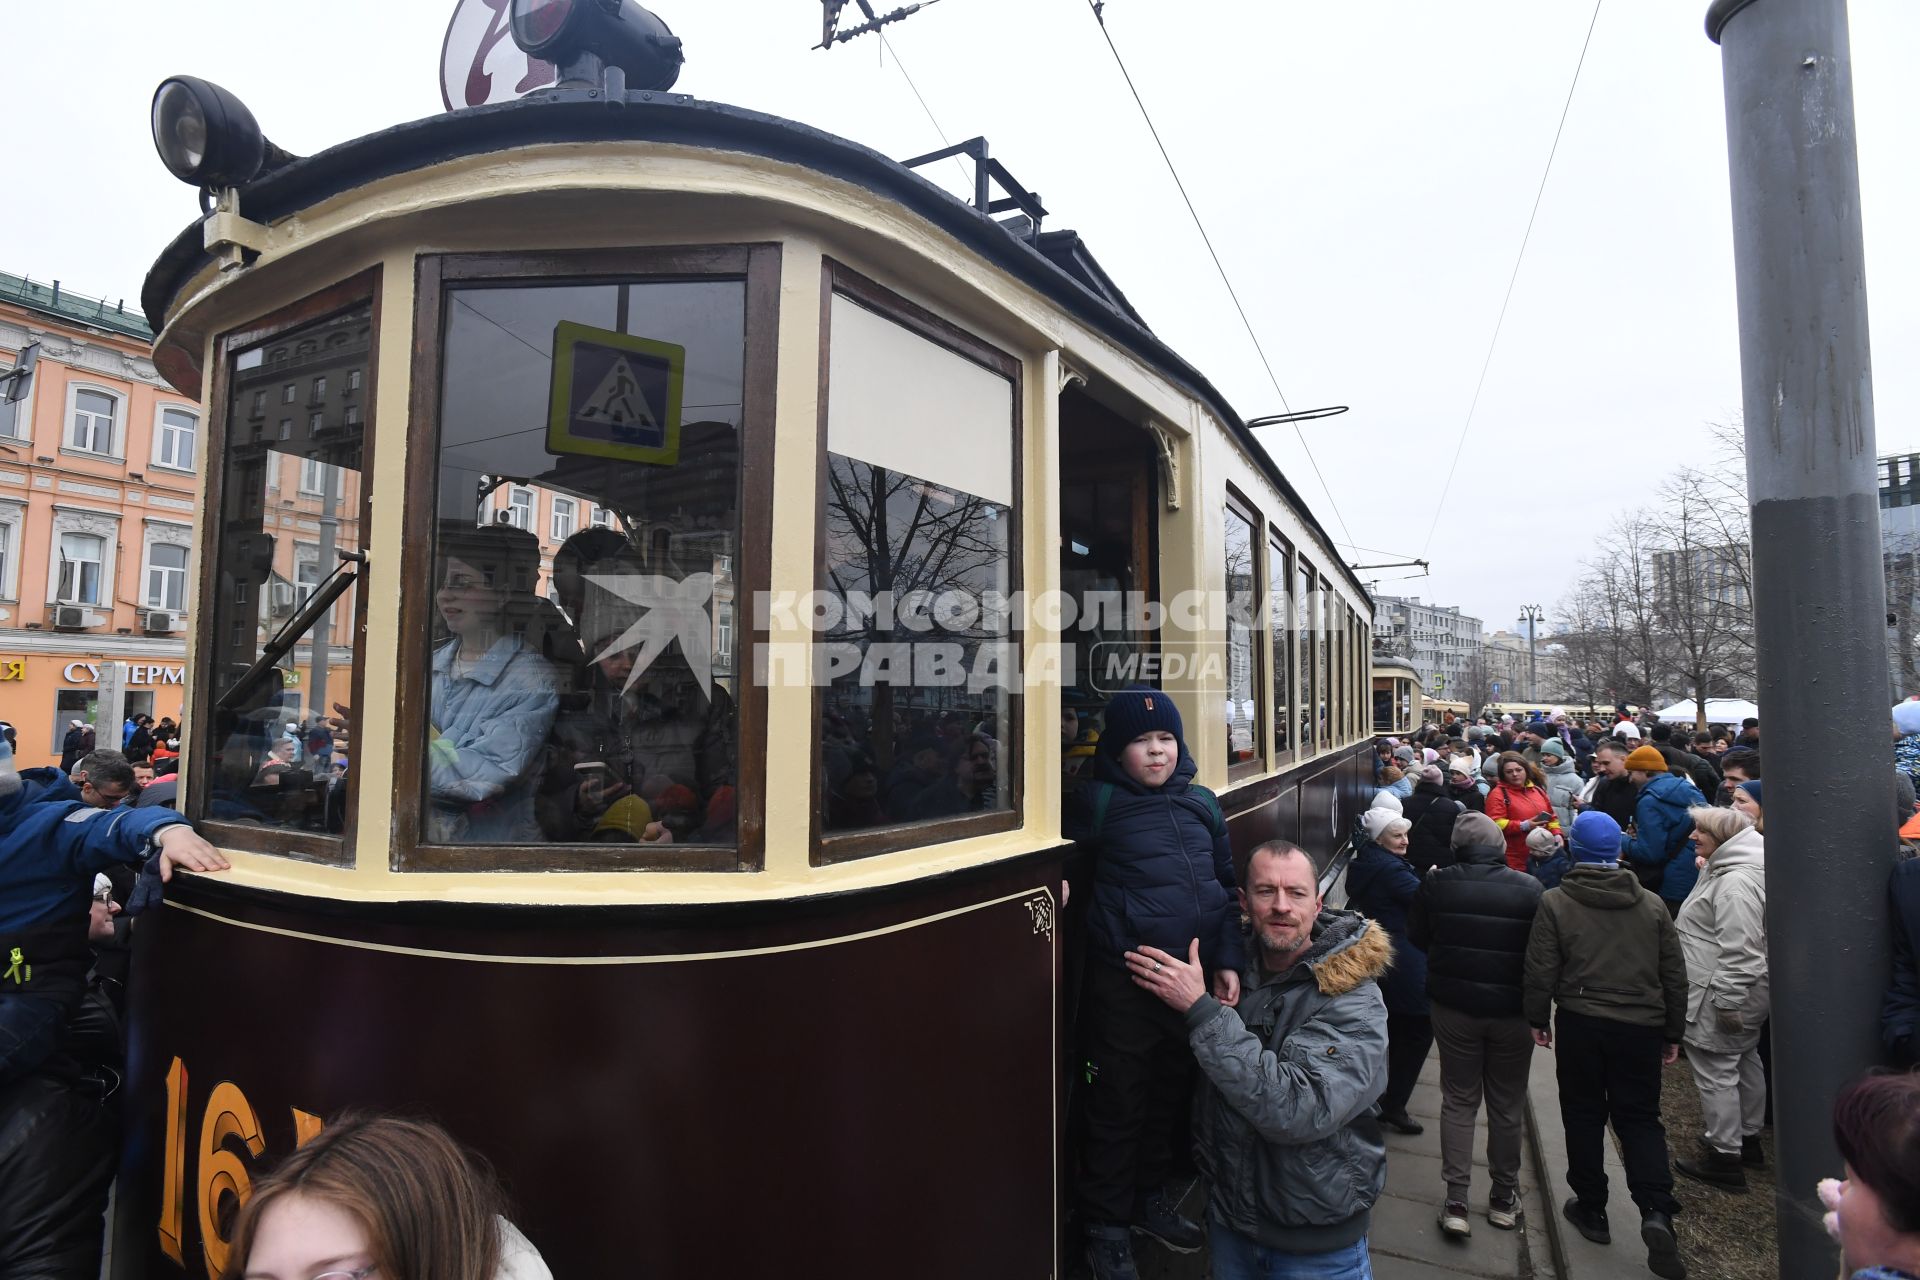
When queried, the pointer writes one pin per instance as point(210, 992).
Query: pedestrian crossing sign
point(615, 395)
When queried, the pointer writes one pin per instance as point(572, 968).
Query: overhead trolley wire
point(886, 46)
point(1461, 444)
point(1100, 19)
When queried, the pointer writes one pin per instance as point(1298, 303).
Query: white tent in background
point(1719, 711)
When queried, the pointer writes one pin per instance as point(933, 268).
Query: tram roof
point(1059, 265)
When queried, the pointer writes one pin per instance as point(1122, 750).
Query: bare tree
point(1581, 615)
point(1703, 613)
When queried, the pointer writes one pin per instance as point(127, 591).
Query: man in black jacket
point(1431, 812)
point(1673, 744)
point(1472, 919)
point(1614, 793)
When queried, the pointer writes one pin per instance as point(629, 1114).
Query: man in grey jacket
point(1284, 1126)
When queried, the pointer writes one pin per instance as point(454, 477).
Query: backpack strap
point(1216, 819)
point(1102, 795)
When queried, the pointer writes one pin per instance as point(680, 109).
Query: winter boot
point(1160, 1218)
point(1752, 1153)
point(1401, 1121)
point(1716, 1169)
point(1663, 1249)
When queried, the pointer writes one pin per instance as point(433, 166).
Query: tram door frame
point(1089, 435)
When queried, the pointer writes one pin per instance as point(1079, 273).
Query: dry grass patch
point(1723, 1236)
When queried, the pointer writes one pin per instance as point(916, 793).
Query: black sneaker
point(1402, 1121)
point(1753, 1153)
point(1663, 1250)
point(1589, 1220)
point(1109, 1254)
point(1159, 1219)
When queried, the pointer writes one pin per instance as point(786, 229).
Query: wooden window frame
point(757, 267)
point(1238, 504)
point(827, 848)
point(301, 846)
point(1309, 744)
point(1279, 549)
point(1328, 669)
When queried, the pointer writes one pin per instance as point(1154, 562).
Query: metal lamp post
point(1533, 613)
point(1819, 598)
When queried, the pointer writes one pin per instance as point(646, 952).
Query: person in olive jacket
point(1606, 950)
point(1472, 920)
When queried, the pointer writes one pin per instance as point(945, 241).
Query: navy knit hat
point(1135, 710)
point(1753, 789)
point(1595, 837)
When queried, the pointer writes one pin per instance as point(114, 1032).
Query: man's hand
point(1226, 987)
point(1543, 1037)
point(1179, 984)
point(1670, 1055)
point(181, 846)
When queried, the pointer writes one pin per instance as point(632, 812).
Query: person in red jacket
point(1519, 804)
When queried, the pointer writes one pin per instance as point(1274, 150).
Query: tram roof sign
point(615, 395)
point(480, 63)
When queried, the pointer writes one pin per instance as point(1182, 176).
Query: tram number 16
point(228, 1118)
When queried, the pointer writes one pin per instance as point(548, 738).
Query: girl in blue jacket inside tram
point(1162, 876)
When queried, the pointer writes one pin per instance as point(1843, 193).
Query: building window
point(520, 505)
point(174, 439)
point(723, 634)
point(11, 426)
point(319, 391)
point(167, 577)
point(259, 405)
point(315, 422)
point(353, 380)
point(90, 428)
point(352, 415)
point(602, 518)
point(6, 560)
point(565, 517)
point(287, 393)
point(81, 558)
point(313, 476)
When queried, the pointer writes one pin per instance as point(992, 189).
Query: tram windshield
point(287, 552)
point(581, 665)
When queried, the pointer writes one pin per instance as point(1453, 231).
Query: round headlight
point(536, 24)
point(205, 135)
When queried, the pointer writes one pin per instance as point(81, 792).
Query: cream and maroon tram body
point(581, 790)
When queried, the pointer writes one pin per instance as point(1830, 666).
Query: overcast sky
point(1365, 171)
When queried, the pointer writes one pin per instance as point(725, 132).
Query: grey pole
point(1819, 599)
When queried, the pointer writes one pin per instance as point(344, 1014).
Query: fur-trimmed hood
point(1347, 950)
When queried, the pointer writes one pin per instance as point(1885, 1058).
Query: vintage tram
point(603, 489)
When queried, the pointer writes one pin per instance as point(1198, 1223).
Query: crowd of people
point(1598, 889)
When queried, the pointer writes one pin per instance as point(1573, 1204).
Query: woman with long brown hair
point(1519, 804)
point(377, 1198)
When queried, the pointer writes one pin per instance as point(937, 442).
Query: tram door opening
point(1108, 552)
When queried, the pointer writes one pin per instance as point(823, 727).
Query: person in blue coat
point(1659, 849)
point(1381, 885)
point(1163, 877)
point(52, 842)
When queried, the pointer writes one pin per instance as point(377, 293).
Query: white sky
point(1365, 171)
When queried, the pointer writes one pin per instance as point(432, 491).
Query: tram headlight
point(206, 136)
point(575, 34)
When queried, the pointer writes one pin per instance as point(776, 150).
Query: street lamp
point(1533, 613)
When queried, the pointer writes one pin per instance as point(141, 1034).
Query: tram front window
point(579, 689)
point(285, 604)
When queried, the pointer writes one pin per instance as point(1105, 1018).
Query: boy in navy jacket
point(51, 844)
point(1163, 877)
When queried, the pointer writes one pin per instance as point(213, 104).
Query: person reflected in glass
point(657, 734)
point(971, 783)
point(493, 696)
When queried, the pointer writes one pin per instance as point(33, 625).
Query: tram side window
point(590, 703)
point(917, 721)
point(1306, 642)
point(1242, 716)
point(1323, 628)
point(286, 598)
point(1280, 615)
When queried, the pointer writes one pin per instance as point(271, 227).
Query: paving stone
point(1407, 1229)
